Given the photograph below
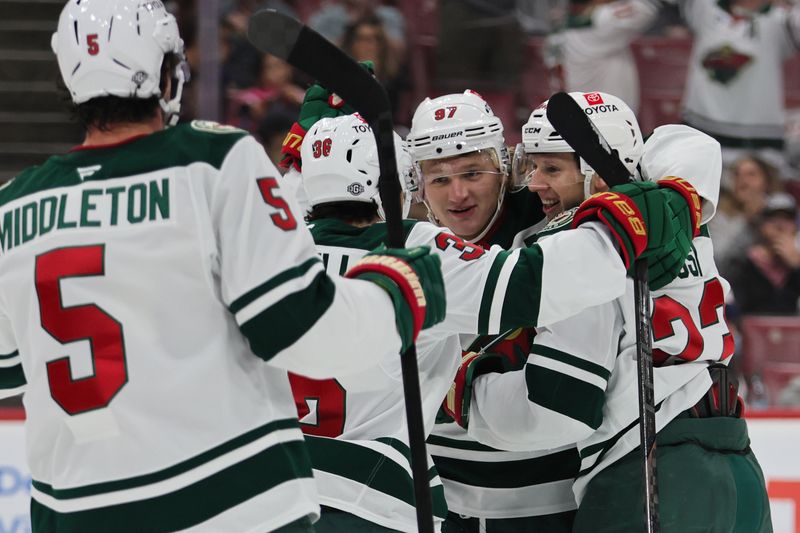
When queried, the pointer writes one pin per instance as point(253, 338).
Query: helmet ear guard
point(340, 163)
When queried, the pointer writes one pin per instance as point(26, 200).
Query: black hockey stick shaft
point(571, 122)
point(300, 46)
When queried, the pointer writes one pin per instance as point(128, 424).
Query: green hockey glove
point(665, 262)
point(650, 220)
point(318, 103)
point(473, 364)
point(413, 279)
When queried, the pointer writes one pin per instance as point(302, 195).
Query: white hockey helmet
point(456, 124)
point(615, 120)
point(115, 48)
point(340, 163)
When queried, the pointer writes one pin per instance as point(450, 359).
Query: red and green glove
point(473, 364)
point(318, 103)
point(413, 279)
point(656, 222)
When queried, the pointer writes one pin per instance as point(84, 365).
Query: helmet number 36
point(321, 148)
point(91, 44)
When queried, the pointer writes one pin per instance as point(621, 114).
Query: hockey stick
point(574, 126)
point(300, 46)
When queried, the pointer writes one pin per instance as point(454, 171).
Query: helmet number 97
point(91, 44)
point(321, 148)
point(443, 112)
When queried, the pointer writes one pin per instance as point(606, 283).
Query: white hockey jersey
point(735, 82)
point(580, 380)
point(594, 49)
point(355, 425)
point(136, 283)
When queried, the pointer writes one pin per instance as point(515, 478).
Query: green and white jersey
point(580, 381)
point(137, 281)
point(356, 424)
point(734, 60)
point(594, 48)
point(487, 482)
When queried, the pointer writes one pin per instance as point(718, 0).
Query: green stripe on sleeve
point(571, 360)
point(283, 323)
point(511, 474)
point(12, 377)
point(9, 355)
point(288, 274)
point(565, 394)
point(524, 290)
point(372, 468)
point(488, 291)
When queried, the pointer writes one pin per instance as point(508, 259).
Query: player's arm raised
point(293, 314)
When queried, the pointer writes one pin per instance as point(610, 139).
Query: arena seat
point(769, 340)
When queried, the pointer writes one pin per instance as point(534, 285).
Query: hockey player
point(451, 138)
point(155, 286)
point(580, 382)
point(360, 417)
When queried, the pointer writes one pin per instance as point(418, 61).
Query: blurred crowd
point(509, 50)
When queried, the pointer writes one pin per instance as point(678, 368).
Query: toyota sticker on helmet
point(593, 98)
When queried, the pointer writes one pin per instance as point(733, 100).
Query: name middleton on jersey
point(92, 207)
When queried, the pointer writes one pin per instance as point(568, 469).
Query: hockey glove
point(318, 103)
point(641, 218)
point(473, 364)
point(665, 262)
point(413, 279)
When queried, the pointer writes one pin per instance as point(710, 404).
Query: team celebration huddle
point(204, 343)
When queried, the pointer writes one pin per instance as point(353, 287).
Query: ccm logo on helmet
point(593, 98)
point(532, 130)
point(447, 136)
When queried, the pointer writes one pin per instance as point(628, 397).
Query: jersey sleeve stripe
point(565, 394)
point(281, 324)
point(506, 474)
point(11, 378)
point(11, 355)
point(488, 291)
point(524, 290)
point(292, 276)
point(11, 361)
point(382, 465)
point(499, 294)
point(571, 360)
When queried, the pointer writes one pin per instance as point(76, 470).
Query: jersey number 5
point(79, 323)
point(284, 219)
point(320, 405)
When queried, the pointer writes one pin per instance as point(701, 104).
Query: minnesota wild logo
point(725, 63)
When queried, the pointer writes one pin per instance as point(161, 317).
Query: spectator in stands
point(766, 279)
point(734, 228)
point(734, 89)
point(480, 44)
point(594, 46)
point(272, 130)
point(332, 19)
point(276, 91)
point(365, 39)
